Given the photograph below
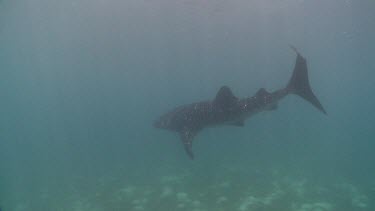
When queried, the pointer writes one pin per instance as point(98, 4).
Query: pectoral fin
point(188, 149)
point(187, 140)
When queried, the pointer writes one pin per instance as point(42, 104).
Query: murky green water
point(81, 83)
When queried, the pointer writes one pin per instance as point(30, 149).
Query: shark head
point(159, 123)
point(162, 122)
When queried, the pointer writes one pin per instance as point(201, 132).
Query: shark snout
point(158, 124)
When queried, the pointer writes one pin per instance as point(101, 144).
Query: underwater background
point(81, 82)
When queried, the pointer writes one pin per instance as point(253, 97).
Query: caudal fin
point(299, 82)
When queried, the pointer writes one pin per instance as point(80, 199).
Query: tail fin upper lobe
point(299, 83)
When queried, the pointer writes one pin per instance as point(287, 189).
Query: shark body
point(227, 109)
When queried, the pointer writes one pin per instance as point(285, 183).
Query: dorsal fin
point(263, 97)
point(225, 98)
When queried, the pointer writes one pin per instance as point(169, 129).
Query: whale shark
point(227, 109)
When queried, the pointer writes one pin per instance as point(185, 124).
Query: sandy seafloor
point(235, 190)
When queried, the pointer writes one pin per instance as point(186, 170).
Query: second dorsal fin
point(261, 93)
